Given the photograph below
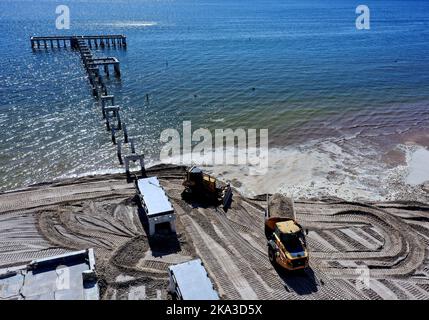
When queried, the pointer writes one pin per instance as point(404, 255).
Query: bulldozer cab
point(196, 177)
point(195, 174)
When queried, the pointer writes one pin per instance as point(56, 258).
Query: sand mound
point(281, 206)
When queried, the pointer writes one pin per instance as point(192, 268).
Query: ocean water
point(346, 109)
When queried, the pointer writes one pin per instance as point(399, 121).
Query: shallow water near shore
point(346, 110)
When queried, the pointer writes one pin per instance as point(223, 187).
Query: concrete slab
point(10, 285)
point(190, 281)
point(65, 277)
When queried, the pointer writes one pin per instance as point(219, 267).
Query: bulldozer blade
point(227, 197)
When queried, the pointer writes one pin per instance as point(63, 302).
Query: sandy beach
point(102, 212)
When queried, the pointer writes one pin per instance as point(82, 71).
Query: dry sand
point(390, 239)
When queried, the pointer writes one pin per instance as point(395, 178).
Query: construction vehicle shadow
point(205, 203)
point(163, 242)
point(201, 203)
point(302, 282)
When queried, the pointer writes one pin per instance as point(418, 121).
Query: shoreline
point(356, 161)
point(407, 180)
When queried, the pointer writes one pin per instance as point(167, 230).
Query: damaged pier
point(110, 111)
point(71, 41)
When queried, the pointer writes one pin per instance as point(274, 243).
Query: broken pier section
point(115, 40)
point(110, 111)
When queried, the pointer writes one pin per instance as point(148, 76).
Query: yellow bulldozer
point(287, 246)
point(201, 186)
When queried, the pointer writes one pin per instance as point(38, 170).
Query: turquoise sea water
point(299, 68)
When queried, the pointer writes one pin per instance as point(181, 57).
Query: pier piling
point(113, 135)
point(125, 130)
point(113, 118)
point(134, 158)
point(104, 100)
point(83, 40)
point(119, 152)
point(133, 148)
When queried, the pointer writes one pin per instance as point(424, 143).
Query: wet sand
point(102, 212)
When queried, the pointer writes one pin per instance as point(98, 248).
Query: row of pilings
point(70, 41)
point(110, 111)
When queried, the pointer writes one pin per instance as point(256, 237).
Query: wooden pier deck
point(71, 41)
point(83, 43)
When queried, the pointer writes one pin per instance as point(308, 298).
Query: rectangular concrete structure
point(155, 203)
point(70, 276)
point(190, 281)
